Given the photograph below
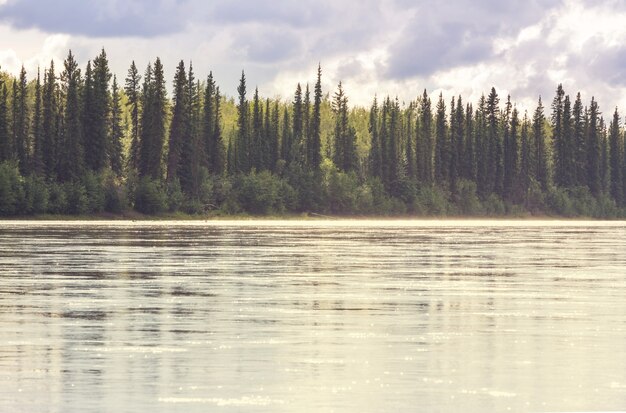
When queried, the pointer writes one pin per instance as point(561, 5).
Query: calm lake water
point(314, 316)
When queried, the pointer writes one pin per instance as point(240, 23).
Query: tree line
point(77, 142)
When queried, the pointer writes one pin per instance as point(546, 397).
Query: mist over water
point(303, 316)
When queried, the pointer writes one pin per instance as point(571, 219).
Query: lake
point(312, 316)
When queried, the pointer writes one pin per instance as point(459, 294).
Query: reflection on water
point(377, 316)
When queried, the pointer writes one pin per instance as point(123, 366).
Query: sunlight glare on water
point(300, 316)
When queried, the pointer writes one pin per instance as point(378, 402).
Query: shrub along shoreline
point(298, 194)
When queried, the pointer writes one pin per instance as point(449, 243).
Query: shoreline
point(304, 218)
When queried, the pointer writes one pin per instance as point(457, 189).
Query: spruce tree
point(192, 148)
point(179, 126)
point(274, 136)
point(426, 139)
point(527, 159)
point(217, 157)
point(96, 145)
point(133, 93)
point(579, 156)
point(340, 109)
point(152, 132)
point(539, 140)
point(558, 138)
point(375, 157)
point(38, 148)
point(71, 151)
point(50, 125)
point(482, 148)
point(243, 136)
point(116, 132)
point(296, 137)
point(314, 143)
point(5, 138)
point(494, 168)
point(511, 154)
point(257, 144)
point(441, 144)
point(208, 119)
point(409, 143)
point(568, 149)
point(302, 154)
point(593, 146)
point(469, 152)
point(286, 137)
point(616, 160)
point(456, 162)
point(21, 120)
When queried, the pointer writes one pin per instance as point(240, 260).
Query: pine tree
point(558, 138)
point(579, 156)
point(50, 126)
point(314, 143)
point(409, 144)
point(21, 141)
point(266, 134)
point(286, 137)
point(527, 159)
point(593, 146)
point(290, 147)
point(211, 128)
point(511, 154)
point(456, 164)
point(375, 156)
point(384, 142)
point(493, 145)
point(426, 139)
point(482, 148)
point(71, 154)
point(132, 90)
point(441, 144)
point(616, 160)
point(37, 158)
point(152, 135)
point(605, 172)
point(243, 136)
point(116, 132)
point(257, 144)
point(217, 157)
point(179, 127)
point(541, 155)
point(5, 138)
point(96, 145)
point(568, 149)
point(469, 145)
point(342, 155)
point(274, 136)
point(302, 154)
point(89, 118)
point(192, 149)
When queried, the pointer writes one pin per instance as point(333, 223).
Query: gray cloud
point(444, 35)
point(267, 45)
point(102, 18)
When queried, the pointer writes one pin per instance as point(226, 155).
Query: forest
point(77, 142)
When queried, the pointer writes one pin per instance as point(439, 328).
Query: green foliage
point(63, 143)
point(11, 190)
point(36, 195)
point(150, 197)
point(467, 199)
point(94, 193)
point(431, 200)
point(263, 193)
point(77, 199)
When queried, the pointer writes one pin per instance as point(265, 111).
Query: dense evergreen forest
point(74, 142)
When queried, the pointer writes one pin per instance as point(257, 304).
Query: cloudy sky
point(397, 47)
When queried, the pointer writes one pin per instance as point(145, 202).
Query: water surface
point(313, 316)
